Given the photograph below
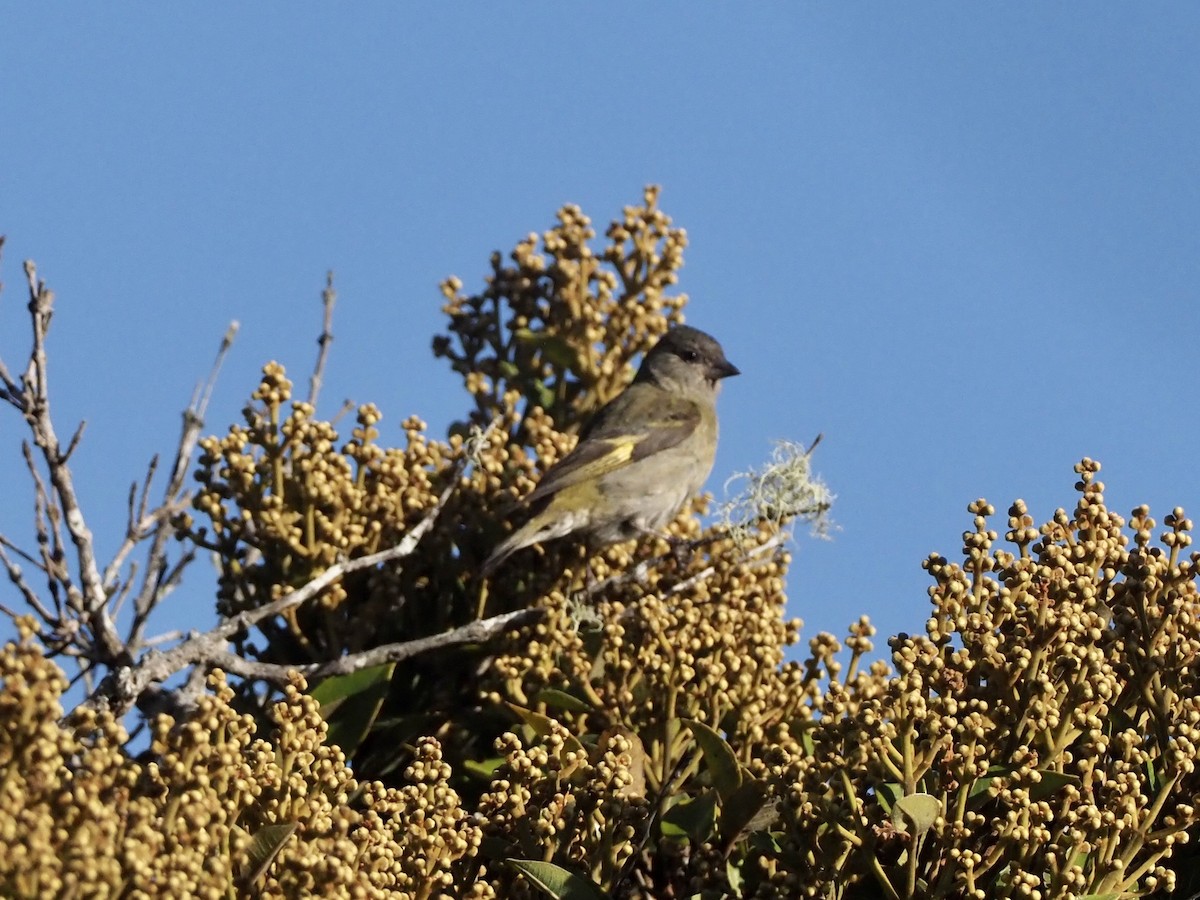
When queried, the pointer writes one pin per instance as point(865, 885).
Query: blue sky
point(961, 240)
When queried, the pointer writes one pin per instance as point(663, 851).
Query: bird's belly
point(649, 508)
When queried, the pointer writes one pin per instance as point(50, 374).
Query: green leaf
point(557, 882)
point(1153, 779)
point(543, 394)
point(746, 811)
point(557, 699)
point(723, 768)
point(916, 812)
point(1051, 783)
point(391, 737)
point(807, 743)
point(542, 725)
point(264, 847)
point(593, 648)
point(1080, 858)
point(694, 818)
point(336, 689)
point(887, 794)
point(483, 768)
point(493, 847)
point(984, 784)
point(637, 759)
point(734, 878)
point(351, 703)
point(766, 843)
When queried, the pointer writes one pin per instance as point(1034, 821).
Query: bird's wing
point(608, 444)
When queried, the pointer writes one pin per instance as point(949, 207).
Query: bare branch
point(639, 573)
point(10, 392)
point(29, 558)
point(93, 602)
point(86, 599)
point(137, 523)
point(165, 638)
point(328, 299)
point(170, 581)
point(144, 502)
point(47, 522)
point(84, 625)
point(74, 442)
point(119, 594)
point(17, 577)
point(155, 584)
point(152, 593)
point(199, 405)
point(479, 631)
point(406, 547)
point(753, 554)
point(346, 407)
point(125, 684)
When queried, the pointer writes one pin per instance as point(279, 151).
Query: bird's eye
point(690, 355)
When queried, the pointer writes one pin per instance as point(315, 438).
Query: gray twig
point(125, 684)
point(328, 299)
point(158, 580)
point(639, 573)
point(479, 631)
point(17, 577)
point(86, 598)
point(93, 605)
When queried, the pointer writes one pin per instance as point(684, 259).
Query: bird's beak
point(723, 369)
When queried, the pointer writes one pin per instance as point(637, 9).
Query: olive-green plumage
point(640, 458)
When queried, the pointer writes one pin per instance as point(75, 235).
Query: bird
point(640, 458)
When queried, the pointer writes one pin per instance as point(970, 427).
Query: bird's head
point(687, 359)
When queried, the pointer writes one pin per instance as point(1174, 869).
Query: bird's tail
point(522, 537)
point(545, 526)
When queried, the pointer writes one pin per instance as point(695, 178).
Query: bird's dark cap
point(694, 345)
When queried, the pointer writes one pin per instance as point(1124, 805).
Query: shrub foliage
point(646, 734)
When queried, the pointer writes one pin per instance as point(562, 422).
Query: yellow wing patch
point(620, 454)
point(587, 463)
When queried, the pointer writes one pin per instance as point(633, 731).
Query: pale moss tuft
point(780, 492)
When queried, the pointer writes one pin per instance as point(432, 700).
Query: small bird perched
point(640, 458)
